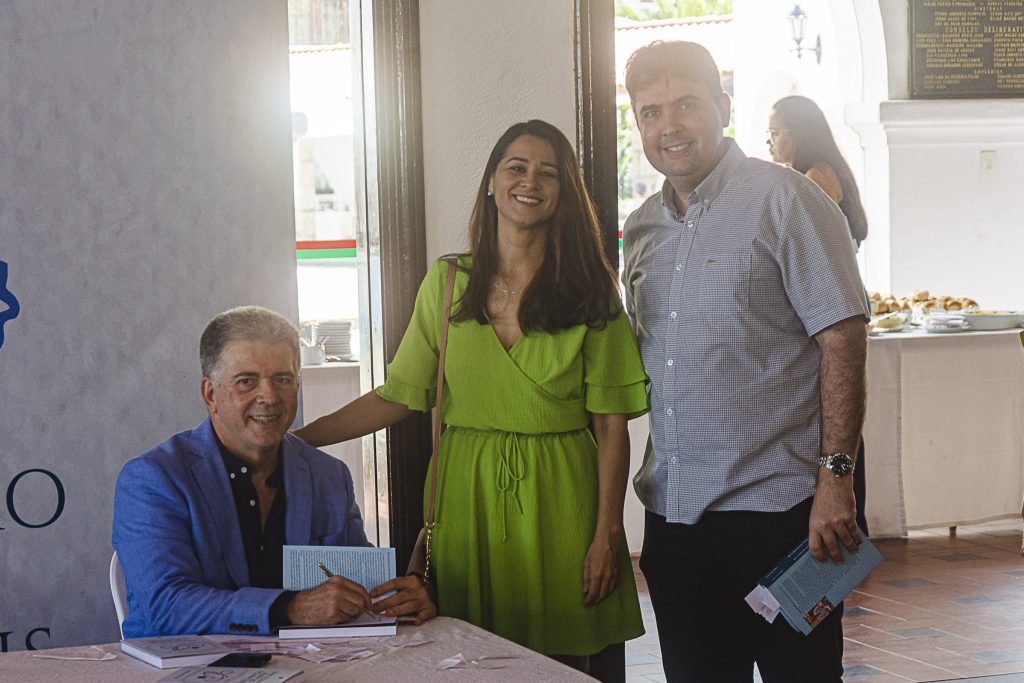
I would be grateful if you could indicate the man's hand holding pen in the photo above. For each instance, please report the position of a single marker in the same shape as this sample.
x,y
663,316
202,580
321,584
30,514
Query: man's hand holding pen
x,y
335,601
338,600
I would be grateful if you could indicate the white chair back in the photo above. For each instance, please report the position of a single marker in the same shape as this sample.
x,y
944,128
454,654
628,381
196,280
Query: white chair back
x,y
118,591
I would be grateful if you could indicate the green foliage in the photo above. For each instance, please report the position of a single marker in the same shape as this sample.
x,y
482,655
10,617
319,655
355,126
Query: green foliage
x,y
670,9
624,150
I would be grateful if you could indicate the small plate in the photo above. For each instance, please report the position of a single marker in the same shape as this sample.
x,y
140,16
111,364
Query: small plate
x,y
897,316
880,331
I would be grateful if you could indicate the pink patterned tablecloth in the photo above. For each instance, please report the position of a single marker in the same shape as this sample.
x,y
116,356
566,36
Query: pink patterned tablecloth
x,y
448,637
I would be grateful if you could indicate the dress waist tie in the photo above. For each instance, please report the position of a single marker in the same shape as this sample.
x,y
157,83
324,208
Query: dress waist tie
x,y
511,470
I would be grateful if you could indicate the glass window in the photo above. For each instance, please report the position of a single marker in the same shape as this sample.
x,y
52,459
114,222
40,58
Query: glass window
x,y
320,59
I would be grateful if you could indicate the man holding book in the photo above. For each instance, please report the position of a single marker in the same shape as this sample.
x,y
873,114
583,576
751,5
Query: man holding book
x,y
741,280
200,521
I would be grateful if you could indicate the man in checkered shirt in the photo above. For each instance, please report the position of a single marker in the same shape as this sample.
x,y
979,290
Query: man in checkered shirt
x,y
742,284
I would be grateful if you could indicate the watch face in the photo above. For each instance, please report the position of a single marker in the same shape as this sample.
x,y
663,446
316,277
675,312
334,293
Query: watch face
x,y
839,464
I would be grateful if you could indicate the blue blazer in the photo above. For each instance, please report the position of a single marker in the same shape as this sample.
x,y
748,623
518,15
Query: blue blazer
x,y
177,536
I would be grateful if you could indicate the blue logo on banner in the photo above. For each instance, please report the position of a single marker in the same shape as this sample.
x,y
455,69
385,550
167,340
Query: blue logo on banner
x,y
6,297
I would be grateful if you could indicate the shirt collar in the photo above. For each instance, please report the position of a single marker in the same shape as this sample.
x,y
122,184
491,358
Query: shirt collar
x,y
712,186
235,465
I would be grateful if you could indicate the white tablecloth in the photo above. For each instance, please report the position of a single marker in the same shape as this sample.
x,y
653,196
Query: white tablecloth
x,y
945,429
449,637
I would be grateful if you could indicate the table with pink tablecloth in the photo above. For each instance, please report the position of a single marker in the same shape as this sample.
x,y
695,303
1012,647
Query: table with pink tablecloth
x,y
448,637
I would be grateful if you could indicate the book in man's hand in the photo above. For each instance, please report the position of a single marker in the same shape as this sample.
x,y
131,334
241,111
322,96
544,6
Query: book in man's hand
x,y
806,591
171,652
363,625
227,674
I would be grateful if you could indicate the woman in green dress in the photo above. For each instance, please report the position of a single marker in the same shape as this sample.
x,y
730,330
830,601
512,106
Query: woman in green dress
x,y
529,541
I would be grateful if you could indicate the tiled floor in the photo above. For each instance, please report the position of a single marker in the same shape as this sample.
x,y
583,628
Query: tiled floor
x,y
939,608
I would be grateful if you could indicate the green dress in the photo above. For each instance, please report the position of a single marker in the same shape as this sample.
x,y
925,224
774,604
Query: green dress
x,y
518,472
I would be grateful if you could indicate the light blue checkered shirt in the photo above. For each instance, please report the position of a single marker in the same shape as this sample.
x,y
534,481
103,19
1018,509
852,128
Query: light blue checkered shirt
x,y
725,301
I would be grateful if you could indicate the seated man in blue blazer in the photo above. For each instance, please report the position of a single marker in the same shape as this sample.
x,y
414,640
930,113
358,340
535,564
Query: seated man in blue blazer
x,y
200,520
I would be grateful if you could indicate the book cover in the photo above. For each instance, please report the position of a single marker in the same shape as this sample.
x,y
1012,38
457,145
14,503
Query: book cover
x,y
806,591
363,625
226,674
170,652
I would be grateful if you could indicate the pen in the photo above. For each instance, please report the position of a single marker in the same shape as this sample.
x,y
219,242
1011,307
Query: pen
x,y
328,573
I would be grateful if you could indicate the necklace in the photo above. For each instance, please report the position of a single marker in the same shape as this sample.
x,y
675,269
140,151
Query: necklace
x,y
506,291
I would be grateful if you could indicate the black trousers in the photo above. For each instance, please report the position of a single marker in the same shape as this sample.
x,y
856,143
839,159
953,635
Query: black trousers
x,y
698,576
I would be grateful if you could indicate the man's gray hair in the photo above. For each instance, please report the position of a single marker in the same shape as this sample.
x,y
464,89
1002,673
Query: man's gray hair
x,y
245,323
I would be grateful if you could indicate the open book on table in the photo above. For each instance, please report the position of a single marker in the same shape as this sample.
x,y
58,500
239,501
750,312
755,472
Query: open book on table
x,y
369,567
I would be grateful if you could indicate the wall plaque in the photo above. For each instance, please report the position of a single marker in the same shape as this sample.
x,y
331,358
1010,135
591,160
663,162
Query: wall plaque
x,y
966,48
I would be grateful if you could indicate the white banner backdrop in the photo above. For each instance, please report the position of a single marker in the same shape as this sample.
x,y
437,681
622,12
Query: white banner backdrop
x,y
145,185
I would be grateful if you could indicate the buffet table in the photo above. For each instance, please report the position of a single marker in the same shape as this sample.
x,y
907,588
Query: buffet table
x,y
489,658
945,429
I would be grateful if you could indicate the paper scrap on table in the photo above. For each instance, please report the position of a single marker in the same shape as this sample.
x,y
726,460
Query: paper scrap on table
x,y
316,657
335,652
453,662
91,654
396,642
459,661
764,603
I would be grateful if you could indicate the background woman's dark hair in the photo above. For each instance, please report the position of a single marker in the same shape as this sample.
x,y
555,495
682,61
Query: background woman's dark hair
x,y
574,284
813,144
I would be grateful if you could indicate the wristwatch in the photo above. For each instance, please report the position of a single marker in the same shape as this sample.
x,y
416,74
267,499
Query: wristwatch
x,y
839,464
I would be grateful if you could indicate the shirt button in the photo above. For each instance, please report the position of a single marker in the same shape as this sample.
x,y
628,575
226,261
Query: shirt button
x,y
689,224
244,470
252,503
679,266
674,460
232,475
668,411
673,315
670,361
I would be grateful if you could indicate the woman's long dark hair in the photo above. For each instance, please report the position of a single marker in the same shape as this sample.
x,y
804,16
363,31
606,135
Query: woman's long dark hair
x,y
574,284
813,144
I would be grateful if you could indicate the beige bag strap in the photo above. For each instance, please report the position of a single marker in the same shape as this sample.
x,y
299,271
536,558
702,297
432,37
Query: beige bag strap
x,y
449,288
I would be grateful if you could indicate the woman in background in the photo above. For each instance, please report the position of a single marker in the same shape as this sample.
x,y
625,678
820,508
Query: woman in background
x,y
529,541
800,137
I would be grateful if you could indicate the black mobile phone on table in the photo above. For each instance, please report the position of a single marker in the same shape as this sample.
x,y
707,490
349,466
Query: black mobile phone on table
x,y
243,660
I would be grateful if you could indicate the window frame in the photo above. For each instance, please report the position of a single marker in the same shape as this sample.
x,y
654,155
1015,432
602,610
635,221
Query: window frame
x,y
391,251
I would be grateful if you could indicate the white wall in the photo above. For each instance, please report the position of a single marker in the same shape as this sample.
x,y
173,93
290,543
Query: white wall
x,y
955,228
146,186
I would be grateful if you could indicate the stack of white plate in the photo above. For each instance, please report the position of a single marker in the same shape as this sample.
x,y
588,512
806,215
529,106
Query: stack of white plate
x,y
945,322
992,320
336,336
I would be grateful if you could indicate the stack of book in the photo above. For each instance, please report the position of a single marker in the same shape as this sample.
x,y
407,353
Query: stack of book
x,y
171,652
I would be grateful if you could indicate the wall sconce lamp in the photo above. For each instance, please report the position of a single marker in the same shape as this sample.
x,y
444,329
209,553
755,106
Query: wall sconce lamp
x,y
797,28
